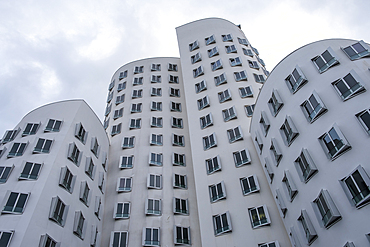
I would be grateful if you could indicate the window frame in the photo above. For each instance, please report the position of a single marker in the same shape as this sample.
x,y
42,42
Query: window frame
x,y
328,64
233,134
352,92
238,155
241,76
176,107
130,143
196,58
174,92
18,149
122,75
217,192
280,202
77,225
158,123
137,108
230,49
275,151
156,178
74,154
182,239
298,82
264,123
227,37
357,55
259,222
156,140
58,211
213,52
206,121
67,179
226,113
259,78
129,162
118,113
126,206
290,187
200,86
155,79
359,115
53,125
237,61
243,91
322,201
14,207
85,193
180,140
224,96
113,239
5,172
152,202
275,103
211,163
220,79
307,228
182,181
249,109
32,130
339,151
156,106
246,190
198,71
210,39
156,92
122,86
90,168
211,144
305,166
156,159
151,241
137,93
316,111
116,129
177,123
203,103
30,175
288,131
127,182
137,81
178,163
172,67
223,229
193,46
216,65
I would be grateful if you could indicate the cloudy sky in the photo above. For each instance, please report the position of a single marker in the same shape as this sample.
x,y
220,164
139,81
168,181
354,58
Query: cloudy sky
x,y
61,49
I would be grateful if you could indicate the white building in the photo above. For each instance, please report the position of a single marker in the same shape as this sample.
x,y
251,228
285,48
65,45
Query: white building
x,y
311,130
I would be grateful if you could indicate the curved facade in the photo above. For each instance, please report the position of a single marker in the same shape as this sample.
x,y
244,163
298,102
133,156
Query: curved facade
x,y
311,131
52,177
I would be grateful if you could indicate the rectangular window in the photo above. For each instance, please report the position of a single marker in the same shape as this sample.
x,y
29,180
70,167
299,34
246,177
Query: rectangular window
x,y
95,148
74,154
216,65
213,164
288,131
178,159
213,52
110,97
227,38
198,72
124,184
249,184
243,41
363,117
156,140
357,187
276,154
154,181
259,78
16,202
261,61
106,123
196,58
138,69
259,216
235,134
357,50
264,123
174,92
249,110
209,141
281,203
241,76
177,123
121,86
230,49
206,121
242,157
222,223
46,241
156,91
349,86
172,67
156,67
157,122
307,227
255,50
175,106
151,237
90,168
116,129
118,239
334,143
180,206
136,107
224,96
253,64
135,123
122,211
118,113
128,142
122,75
5,172
156,159
97,207
153,207
79,226
221,79
178,140
138,81
275,103
30,171
313,107
289,185
210,40
326,60
235,61
295,80
58,211
193,46
67,179
270,244
10,135
85,192
126,162
156,79
108,109
180,181
217,191
17,149
268,170
31,129
246,92
305,166
101,182
229,113
248,52
200,86
111,85
258,141
156,106
203,102
182,235
173,79
6,237
326,210
137,93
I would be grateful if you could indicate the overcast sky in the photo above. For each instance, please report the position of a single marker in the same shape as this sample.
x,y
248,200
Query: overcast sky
x,y
57,50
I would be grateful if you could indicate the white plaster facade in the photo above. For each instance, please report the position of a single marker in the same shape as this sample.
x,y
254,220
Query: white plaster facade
x,y
311,129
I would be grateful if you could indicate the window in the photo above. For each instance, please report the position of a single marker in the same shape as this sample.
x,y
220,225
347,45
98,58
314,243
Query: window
x,y
95,148
175,106
326,60
268,170
349,244
209,141
200,86
106,123
258,142
313,107
224,96
213,164
174,92
135,123
67,179
334,143
264,123
295,80
153,207
363,117
241,76
111,85
30,171
5,172
305,166
182,235
31,129
138,69
79,226
259,78
156,79
16,202
122,211
118,113
259,216
326,210
126,162
156,91
90,168
156,106
138,81
213,52
156,159
249,110
58,211
156,140
222,223
281,203
294,238
118,239
121,86
289,185
6,237
178,140
180,206
235,62
137,93
10,135
246,92
216,65
349,86
193,46
116,129
172,67
253,64
196,58
97,206
217,191
173,79
101,182
104,161
206,121
261,61
123,75
151,237
124,184
128,142
229,113
230,49
203,102
242,157
157,122
210,40
356,186
248,52
276,154
221,79
47,241
357,50
227,37
110,97
275,103
154,181
243,41
269,244
85,193
17,149
307,227
177,123
156,67
265,72
178,159
74,154
108,109
235,134
288,131
180,181
136,107
255,50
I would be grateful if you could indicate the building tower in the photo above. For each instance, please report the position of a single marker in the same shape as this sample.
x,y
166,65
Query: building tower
x,y
52,171
311,130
